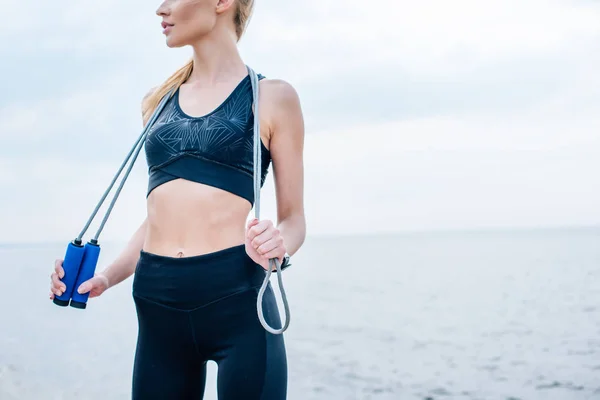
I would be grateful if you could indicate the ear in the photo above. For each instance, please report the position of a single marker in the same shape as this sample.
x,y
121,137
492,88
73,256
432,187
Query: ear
x,y
224,5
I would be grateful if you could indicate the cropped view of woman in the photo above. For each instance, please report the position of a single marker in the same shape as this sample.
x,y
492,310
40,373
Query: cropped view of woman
x,y
197,259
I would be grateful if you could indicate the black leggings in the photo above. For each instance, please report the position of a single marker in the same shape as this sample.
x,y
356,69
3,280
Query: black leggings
x,y
194,309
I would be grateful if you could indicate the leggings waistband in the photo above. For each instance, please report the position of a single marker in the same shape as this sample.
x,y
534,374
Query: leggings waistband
x,y
218,256
190,282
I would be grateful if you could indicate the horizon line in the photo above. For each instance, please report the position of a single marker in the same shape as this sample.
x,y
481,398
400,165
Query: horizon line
x,y
403,232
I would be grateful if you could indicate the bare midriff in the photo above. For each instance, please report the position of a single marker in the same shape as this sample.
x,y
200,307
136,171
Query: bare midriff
x,y
187,219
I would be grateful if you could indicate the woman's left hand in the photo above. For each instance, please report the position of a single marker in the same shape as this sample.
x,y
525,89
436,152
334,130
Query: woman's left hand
x,y
263,242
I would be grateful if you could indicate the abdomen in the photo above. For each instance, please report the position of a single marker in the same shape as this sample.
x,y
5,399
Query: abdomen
x,y
188,218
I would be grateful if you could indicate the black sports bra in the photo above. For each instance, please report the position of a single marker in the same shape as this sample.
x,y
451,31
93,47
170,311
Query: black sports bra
x,y
215,149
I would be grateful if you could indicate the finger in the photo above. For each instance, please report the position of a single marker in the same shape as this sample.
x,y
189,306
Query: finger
x,y
51,295
277,253
89,285
264,237
251,223
59,269
270,246
57,291
56,283
258,229
85,287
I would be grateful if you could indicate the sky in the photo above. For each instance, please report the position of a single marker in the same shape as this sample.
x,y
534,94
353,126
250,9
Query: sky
x,y
419,115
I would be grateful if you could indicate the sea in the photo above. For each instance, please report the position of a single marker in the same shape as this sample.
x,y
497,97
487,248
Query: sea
x,y
461,315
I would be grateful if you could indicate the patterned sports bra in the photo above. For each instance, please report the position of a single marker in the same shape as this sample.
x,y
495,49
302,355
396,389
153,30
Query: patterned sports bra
x,y
215,149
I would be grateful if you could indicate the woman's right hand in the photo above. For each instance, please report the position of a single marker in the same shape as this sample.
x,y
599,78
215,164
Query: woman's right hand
x,y
96,285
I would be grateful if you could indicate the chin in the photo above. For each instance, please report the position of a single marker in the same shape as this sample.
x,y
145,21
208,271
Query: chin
x,y
172,43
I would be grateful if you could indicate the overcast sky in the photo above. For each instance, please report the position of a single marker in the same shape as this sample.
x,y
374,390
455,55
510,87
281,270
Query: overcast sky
x,y
419,115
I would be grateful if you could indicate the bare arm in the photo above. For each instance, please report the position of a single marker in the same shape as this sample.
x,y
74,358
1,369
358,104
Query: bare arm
x,y
286,146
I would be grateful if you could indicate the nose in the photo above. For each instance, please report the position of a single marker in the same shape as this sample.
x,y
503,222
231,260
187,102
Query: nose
x,y
164,9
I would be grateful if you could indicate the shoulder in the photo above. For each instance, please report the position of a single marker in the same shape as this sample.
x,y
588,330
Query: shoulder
x,y
280,102
279,91
281,110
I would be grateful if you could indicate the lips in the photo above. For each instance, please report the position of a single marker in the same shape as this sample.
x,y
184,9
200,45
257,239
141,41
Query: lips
x,y
166,27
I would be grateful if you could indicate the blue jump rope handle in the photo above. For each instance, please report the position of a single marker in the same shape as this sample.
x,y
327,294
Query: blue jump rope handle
x,y
71,264
87,270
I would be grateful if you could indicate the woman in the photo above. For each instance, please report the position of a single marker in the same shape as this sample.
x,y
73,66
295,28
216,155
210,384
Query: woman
x,y
197,262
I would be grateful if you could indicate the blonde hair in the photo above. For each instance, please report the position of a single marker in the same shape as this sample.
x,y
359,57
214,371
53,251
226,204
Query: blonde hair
x,y
150,102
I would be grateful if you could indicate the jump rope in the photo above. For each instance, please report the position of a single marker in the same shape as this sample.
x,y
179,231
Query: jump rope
x,y
80,260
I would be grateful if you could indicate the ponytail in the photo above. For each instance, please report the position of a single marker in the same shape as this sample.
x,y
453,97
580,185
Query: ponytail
x,y
153,98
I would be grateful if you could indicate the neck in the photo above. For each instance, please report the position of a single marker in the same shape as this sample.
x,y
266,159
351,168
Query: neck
x,y
216,59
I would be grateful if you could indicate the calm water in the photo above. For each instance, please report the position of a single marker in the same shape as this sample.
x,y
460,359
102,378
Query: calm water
x,y
506,315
